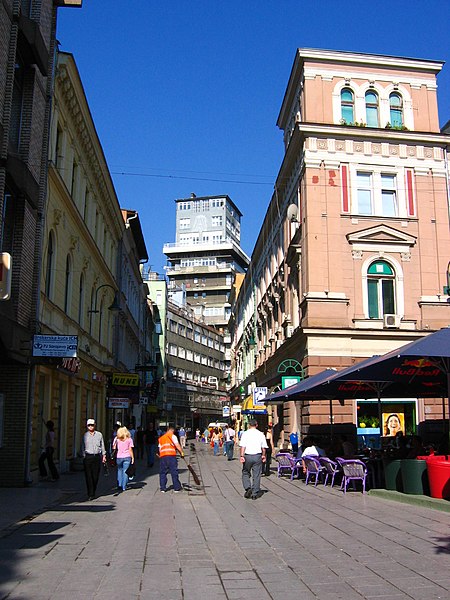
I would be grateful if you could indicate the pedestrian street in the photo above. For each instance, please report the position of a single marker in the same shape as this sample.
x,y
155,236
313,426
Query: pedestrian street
x,y
296,542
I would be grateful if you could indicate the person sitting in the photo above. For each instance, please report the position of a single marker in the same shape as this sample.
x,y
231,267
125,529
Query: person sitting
x,y
416,449
401,445
311,448
348,449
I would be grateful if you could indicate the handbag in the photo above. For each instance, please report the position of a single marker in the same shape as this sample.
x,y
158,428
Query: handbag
x,y
131,471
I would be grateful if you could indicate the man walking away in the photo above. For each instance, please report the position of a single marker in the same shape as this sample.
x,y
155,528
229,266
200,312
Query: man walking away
x,y
229,441
253,454
94,453
182,436
168,447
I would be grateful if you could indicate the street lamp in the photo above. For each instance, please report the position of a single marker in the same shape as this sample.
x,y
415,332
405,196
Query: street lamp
x,y
115,306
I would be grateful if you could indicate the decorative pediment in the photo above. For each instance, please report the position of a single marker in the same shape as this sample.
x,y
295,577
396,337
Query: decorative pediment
x,y
381,237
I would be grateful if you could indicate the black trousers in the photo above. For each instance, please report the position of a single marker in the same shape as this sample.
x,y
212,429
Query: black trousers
x,y
47,455
266,466
92,465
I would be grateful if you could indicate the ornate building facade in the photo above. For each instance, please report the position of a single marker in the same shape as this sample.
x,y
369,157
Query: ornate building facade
x,y
352,257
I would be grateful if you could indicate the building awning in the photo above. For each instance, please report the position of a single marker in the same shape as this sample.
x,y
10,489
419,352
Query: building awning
x,y
248,408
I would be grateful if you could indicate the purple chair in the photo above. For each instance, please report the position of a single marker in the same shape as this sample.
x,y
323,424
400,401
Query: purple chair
x,y
313,468
287,464
354,470
330,469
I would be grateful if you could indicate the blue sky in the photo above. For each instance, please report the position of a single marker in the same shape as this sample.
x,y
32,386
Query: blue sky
x,y
185,94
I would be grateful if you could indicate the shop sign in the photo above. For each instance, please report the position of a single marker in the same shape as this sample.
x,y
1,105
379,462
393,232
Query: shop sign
x,y
118,403
152,409
259,394
143,400
289,380
63,346
125,380
225,411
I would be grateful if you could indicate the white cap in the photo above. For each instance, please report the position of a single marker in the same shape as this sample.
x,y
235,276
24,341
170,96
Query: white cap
x,y
90,422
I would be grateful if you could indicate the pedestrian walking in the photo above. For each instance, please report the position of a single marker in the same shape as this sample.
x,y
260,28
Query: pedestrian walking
x,y
124,457
168,446
150,440
182,436
229,441
197,435
269,451
47,454
215,440
253,454
139,442
94,453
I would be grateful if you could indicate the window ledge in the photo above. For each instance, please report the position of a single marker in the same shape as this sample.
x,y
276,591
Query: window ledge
x,y
378,324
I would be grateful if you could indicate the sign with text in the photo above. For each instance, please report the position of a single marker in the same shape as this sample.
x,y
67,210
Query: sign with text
x,y
259,394
225,411
125,380
63,346
118,403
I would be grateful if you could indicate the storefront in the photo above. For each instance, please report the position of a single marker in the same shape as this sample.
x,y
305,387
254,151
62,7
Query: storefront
x,y
396,415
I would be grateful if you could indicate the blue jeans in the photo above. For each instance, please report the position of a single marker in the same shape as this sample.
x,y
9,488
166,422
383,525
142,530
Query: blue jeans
x,y
229,447
122,466
216,448
151,448
168,464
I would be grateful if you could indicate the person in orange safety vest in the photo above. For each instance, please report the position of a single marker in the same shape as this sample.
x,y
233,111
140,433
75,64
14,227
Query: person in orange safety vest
x,y
168,445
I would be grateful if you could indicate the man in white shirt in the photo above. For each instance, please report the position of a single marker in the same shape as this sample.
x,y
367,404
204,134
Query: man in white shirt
x,y
229,441
253,454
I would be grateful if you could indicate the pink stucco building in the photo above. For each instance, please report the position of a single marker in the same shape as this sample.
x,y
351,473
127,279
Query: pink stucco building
x,y
352,258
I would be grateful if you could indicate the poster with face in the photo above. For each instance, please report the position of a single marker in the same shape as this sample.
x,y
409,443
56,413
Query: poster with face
x,y
393,423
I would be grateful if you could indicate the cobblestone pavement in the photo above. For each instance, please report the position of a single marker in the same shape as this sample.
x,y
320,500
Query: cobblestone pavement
x,y
295,542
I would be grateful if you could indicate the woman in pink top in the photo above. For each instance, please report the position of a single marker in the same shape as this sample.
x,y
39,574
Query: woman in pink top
x,y
125,456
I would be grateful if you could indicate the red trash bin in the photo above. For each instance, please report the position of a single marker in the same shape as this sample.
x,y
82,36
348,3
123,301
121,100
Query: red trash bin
x,y
438,468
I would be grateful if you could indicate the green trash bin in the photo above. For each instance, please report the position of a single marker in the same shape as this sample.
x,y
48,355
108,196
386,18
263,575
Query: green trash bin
x,y
393,474
415,476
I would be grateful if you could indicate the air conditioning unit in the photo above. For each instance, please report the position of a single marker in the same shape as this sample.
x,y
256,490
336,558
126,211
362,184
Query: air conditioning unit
x,y
391,321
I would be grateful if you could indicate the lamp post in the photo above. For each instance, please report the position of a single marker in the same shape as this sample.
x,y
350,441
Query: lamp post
x,y
115,306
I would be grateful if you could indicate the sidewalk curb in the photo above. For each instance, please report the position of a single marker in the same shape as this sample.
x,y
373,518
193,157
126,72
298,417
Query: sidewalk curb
x,y
412,499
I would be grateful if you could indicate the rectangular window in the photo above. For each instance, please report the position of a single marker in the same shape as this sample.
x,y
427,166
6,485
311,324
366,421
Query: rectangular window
x,y
364,193
388,196
372,285
376,194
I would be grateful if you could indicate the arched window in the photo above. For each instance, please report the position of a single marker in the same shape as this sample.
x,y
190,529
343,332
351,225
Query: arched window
x,y
68,286
380,289
347,106
372,109
49,266
396,110
81,301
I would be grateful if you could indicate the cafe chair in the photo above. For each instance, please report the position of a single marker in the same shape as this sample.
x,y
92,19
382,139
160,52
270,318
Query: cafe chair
x,y
330,468
354,470
287,464
313,469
